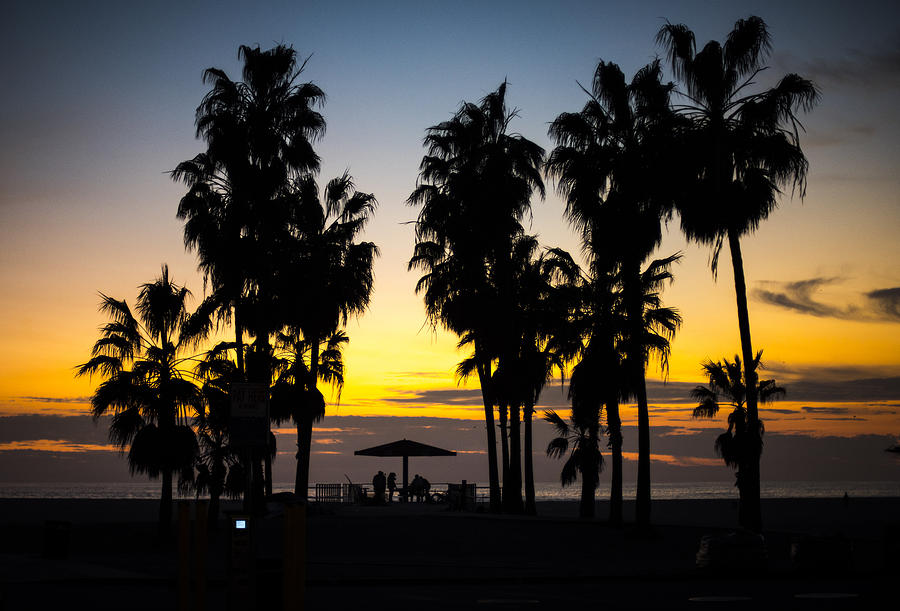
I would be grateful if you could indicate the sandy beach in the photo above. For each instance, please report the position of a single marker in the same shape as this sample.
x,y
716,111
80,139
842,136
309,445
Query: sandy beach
x,y
410,549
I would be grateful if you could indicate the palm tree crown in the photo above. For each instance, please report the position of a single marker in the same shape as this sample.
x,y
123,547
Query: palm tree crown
x,y
147,388
727,386
743,146
259,134
327,278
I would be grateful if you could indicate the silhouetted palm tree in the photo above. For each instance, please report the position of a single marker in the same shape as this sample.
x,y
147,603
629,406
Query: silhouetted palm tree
x,y
219,468
533,343
727,387
258,133
742,148
325,279
296,398
596,326
147,387
602,162
582,436
475,186
547,344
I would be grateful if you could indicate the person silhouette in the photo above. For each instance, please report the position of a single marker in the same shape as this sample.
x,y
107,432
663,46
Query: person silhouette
x,y
426,489
391,485
378,484
415,488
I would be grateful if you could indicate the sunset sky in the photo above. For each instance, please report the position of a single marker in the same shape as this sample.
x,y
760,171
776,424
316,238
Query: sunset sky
x,y
98,106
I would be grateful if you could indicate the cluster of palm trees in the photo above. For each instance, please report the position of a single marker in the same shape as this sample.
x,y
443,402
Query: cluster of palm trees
x,y
283,264
713,150
284,267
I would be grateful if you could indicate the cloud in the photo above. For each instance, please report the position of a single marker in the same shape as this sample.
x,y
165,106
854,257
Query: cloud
x,y
57,399
875,68
886,302
825,410
881,304
443,396
838,134
327,441
77,451
55,445
825,391
798,296
74,429
677,461
420,374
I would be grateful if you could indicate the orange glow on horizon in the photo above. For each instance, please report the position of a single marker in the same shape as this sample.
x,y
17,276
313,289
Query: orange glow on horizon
x,y
56,445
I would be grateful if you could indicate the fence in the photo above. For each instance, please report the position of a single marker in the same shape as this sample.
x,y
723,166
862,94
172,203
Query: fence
x,y
473,497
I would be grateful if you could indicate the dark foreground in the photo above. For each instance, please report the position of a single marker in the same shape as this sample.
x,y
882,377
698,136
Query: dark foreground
x,y
424,557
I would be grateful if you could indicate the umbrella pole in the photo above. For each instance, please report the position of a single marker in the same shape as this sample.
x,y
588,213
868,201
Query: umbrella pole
x,y
406,476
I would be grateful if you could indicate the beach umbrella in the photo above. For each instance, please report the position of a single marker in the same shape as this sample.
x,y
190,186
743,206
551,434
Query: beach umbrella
x,y
404,448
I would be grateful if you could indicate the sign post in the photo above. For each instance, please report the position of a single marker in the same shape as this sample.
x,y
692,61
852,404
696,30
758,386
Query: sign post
x,y
249,414
249,431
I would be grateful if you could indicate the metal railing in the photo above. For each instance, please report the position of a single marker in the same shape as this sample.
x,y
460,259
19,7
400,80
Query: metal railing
x,y
350,493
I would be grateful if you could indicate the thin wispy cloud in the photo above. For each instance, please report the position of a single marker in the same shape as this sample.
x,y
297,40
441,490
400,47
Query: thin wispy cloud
x,y
826,410
875,68
446,396
56,399
839,134
803,296
56,445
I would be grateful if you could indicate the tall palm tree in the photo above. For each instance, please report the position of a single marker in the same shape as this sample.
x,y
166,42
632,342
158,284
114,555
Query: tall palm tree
x,y
533,345
742,147
147,387
596,326
259,133
727,387
580,439
602,161
296,399
325,280
474,188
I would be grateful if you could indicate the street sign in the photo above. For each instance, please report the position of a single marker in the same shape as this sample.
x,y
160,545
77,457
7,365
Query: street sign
x,y
249,424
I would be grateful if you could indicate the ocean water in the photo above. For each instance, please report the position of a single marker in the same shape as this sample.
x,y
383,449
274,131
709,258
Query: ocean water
x,y
544,491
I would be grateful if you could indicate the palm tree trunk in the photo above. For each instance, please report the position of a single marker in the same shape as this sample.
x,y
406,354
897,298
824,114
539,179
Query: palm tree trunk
x,y
213,512
304,445
635,320
614,423
588,489
268,472
239,341
527,452
750,514
484,377
304,431
642,507
502,413
515,461
165,502
259,488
